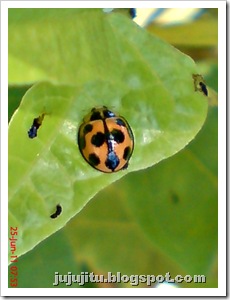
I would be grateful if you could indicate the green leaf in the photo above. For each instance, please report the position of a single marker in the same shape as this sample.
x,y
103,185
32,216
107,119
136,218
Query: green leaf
x,y
62,45
95,60
109,237
162,219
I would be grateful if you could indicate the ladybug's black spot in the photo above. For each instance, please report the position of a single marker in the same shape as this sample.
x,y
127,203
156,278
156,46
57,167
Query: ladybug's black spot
x,y
112,161
120,122
93,159
127,153
98,139
108,114
203,88
57,212
118,136
96,115
88,128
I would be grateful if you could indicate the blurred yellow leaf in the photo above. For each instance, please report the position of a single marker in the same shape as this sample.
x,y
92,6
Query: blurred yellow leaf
x,y
201,33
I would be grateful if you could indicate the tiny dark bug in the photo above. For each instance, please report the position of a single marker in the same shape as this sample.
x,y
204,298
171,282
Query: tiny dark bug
x,y
57,212
37,122
203,88
199,84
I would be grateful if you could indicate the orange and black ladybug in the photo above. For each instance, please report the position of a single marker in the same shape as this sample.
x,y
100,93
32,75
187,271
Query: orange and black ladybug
x,y
105,140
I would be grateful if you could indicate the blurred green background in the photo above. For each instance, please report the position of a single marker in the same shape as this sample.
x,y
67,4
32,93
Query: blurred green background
x,y
176,231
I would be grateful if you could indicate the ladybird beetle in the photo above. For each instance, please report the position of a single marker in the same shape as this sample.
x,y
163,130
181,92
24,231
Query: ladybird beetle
x,y
105,140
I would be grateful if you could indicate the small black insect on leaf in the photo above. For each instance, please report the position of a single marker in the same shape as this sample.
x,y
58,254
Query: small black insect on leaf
x,y
57,212
199,84
203,88
37,122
